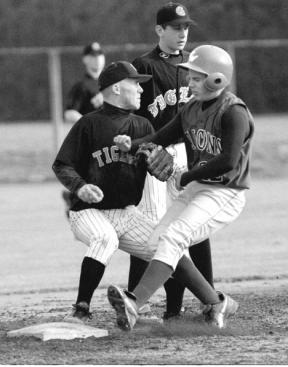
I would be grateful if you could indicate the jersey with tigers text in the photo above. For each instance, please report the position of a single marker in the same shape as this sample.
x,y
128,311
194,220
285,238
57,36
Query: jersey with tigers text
x,y
166,90
88,155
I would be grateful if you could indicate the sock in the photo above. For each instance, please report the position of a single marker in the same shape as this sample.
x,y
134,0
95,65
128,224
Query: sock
x,y
174,296
201,256
187,273
136,271
91,274
155,275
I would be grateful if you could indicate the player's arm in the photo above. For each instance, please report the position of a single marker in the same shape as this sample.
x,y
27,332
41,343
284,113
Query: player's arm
x,y
144,68
70,159
235,130
74,102
166,136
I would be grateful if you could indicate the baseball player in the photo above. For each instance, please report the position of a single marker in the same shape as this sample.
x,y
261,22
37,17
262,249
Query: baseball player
x,y
106,184
217,128
84,96
162,96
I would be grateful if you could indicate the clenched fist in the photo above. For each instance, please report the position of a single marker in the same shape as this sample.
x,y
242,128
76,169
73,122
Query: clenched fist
x,y
123,142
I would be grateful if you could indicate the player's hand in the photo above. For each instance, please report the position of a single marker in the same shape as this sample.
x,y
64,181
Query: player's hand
x,y
97,100
123,142
90,193
72,116
177,177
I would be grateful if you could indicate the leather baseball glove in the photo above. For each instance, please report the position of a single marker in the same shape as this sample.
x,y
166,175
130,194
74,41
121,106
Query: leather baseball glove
x,y
159,162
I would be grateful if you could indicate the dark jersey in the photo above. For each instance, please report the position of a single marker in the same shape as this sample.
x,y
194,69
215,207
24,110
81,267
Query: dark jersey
x,y
80,95
88,155
166,90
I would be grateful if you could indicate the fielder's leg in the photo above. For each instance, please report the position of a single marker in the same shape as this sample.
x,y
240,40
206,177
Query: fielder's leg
x,y
93,229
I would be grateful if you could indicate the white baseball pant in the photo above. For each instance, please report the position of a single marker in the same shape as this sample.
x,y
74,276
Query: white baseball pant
x,y
104,231
198,212
158,196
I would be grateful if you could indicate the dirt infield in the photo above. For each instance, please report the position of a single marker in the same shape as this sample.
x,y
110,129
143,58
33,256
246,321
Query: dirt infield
x,y
258,335
39,268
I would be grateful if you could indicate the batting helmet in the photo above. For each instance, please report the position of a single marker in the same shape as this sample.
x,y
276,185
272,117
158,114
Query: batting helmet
x,y
214,62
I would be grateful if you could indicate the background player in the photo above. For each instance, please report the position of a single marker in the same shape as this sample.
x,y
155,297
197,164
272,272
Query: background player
x,y
84,96
162,96
217,128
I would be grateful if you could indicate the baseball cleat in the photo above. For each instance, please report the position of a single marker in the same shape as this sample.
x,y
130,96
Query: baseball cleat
x,y
80,313
125,307
218,313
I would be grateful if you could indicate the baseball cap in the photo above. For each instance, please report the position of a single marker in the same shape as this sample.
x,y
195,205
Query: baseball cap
x,y
93,49
173,14
117,71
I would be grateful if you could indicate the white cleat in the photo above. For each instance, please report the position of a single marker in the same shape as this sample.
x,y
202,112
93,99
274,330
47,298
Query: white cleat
x,y
125,307
218,313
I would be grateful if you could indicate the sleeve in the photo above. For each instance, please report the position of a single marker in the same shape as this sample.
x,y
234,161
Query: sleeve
x,y
148,88
73,157
167,135
75,97
235,129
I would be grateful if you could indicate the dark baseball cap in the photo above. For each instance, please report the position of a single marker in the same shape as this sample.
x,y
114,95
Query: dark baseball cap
x,y
173,14
117,71
93,49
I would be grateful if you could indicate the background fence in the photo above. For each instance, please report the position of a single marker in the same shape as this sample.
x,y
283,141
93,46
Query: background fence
x,y
35,81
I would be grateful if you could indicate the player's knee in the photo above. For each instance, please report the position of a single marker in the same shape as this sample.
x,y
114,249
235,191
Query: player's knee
x,y
103,247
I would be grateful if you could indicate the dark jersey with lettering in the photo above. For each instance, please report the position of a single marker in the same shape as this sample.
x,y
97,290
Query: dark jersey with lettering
x,y
216,137
88,155
166,90
80,95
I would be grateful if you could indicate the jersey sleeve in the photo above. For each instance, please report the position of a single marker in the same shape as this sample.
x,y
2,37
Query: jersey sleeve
x,y
73,157
148,87
75,97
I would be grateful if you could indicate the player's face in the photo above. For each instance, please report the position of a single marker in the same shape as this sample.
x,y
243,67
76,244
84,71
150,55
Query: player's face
x,y
94,65
130,92
197,87
173,38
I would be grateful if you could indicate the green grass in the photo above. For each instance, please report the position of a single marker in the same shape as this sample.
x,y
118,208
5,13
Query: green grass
x,y
28,149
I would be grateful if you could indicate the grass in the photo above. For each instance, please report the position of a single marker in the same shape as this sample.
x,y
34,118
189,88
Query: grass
x,y
28,149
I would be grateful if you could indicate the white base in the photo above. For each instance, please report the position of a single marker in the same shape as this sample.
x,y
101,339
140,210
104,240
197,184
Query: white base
x,y
59,330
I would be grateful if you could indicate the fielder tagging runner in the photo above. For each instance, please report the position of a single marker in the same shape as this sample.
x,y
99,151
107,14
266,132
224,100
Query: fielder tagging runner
x,y
217,128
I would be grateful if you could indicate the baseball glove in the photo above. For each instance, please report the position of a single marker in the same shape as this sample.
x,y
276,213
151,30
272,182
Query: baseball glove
x,y
159,162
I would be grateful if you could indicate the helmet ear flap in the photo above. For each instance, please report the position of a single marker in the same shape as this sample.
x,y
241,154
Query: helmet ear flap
x,y
215,81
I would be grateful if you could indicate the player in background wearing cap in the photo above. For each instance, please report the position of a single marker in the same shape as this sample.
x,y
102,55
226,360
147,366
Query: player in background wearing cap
x,y
218,129
84,95
162,96
106,184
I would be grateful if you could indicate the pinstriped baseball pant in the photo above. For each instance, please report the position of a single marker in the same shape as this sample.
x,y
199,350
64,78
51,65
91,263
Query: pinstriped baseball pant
x,y
104,231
